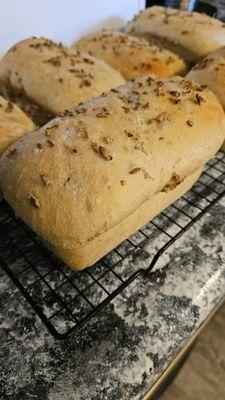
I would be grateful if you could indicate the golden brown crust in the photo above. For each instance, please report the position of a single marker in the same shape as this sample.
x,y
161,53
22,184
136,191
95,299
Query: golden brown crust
x,y
55,77
198,33
14,124
102,161
88,254
131,56
38,115
210,71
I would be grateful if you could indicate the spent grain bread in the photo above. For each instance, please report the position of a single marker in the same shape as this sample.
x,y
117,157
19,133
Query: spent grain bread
x,y
131,56
53,76
14,123
210,71
88,171
95,249
190,34
37,114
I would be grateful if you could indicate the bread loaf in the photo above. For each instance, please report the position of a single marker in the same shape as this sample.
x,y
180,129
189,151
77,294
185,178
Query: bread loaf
x,y
131,56
54,77
14,124
94,249
189,34
37,114
88,179
211,72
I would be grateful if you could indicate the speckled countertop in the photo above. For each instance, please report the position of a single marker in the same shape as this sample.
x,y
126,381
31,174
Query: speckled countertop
x,y
120,353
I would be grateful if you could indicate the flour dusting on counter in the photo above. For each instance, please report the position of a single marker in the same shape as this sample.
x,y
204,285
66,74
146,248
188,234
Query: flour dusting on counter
x,y
121,352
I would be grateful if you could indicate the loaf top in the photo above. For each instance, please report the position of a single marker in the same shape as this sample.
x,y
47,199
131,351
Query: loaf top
x,y
198,33
86,171
210,71
14,123
131,56
53,76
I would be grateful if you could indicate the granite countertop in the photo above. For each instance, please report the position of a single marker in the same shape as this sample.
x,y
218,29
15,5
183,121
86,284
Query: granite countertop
x,y
120,353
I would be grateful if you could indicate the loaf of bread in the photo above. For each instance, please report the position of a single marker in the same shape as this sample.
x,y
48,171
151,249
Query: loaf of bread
x,y
102,244
189,34
14,124
37,114
210,71
131,56
54,77
88,179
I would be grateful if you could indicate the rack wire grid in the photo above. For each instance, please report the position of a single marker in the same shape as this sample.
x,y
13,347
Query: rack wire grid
x,y
66,299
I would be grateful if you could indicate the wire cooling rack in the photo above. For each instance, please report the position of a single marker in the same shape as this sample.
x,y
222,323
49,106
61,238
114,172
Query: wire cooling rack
x,y
65,299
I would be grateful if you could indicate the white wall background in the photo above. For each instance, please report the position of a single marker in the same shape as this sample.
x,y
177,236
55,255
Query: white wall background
x,y
61,20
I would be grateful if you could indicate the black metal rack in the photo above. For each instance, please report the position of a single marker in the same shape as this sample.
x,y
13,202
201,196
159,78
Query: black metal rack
x,y
65,299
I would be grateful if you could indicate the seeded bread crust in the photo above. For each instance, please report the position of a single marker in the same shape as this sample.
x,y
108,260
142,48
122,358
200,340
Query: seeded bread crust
x,y
131,56
211,72
53,76
198,33
84,173
14,124
38,115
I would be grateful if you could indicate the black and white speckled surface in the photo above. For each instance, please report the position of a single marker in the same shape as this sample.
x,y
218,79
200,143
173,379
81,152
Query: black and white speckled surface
x,y
119,354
